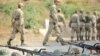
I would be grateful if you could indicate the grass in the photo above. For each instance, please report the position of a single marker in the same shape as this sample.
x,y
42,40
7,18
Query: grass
x,y
36,11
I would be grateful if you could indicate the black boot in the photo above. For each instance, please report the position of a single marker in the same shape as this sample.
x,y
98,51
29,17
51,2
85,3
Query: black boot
x,y
62,42
9,42
72,38
22,43
93,38
57,40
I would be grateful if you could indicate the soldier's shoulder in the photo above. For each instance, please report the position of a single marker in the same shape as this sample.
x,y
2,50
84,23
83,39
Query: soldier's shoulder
x,y
60,14
75,15
53,6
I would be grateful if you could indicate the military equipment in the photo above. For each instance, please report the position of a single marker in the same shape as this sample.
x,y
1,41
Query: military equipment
x,y
25,50
95,47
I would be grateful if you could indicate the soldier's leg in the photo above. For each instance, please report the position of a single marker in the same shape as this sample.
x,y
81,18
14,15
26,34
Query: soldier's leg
x,y
72,34
81,34
12,36
78,35
59,35
46,38
86,35
89,35
94,34
60,28
21,30
99,35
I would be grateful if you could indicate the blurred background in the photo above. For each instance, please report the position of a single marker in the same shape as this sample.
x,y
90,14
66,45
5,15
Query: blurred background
x,y
36,11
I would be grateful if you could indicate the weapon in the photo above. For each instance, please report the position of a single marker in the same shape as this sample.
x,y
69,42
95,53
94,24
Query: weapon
x,y
25,50
95,47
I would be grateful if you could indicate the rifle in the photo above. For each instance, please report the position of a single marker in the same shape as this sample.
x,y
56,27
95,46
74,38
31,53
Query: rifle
x,y
25,50
95,47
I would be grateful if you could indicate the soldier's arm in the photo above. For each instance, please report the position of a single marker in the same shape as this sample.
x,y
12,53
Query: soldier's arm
x,y
13,17
63,19
78,20
54,14
70,21
21,18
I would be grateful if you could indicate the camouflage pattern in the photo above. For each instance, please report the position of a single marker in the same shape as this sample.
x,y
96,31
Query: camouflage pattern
x,y
53,24
17,24
94,30
61,23
98,28
82,25
88,26
74,24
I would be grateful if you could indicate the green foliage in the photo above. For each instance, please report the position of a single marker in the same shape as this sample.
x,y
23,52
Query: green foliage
x,y
33,13
7,8
37,12
48,3
68,9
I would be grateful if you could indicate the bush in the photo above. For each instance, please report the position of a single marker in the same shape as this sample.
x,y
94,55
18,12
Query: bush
x,y
68,9
7,8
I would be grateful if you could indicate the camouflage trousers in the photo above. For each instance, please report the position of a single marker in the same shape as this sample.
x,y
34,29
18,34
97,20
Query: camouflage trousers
x,y
98,34
75,32
88,30
94,33
56,28
17,28
82,31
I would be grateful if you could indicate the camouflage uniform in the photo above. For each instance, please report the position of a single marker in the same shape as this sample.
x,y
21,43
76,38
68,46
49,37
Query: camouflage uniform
x,y
53,24
88,26
61,22
98,28
74,24
94,31
17,24
82,26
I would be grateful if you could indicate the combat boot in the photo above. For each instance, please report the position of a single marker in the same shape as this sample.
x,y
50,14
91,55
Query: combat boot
x,y
93,38
72,38
9,42
62,42
22,43
57,40
44,43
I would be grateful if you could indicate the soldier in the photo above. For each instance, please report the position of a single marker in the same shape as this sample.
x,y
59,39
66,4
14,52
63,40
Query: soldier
x,y
88,25
53,24
74,23
61,22
17,24
98,27
82,24
94,31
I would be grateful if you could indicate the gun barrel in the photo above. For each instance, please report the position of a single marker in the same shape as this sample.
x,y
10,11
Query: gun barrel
x,y
24,50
